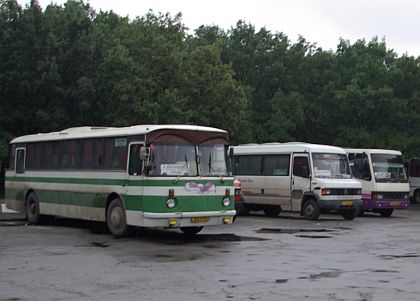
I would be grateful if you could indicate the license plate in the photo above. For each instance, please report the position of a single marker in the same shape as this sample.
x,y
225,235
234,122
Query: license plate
x,y
200,219
395,203
346,203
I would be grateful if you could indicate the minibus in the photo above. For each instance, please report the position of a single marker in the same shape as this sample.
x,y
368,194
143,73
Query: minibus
x,y
295,177
383,177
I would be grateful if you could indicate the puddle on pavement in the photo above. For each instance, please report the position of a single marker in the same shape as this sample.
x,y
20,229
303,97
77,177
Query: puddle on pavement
x,y
176,258
12,223
313,236
408,255
291,231
295,231
329,274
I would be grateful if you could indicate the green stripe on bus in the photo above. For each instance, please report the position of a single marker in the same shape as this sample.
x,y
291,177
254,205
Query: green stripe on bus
x,y
119,182
156,204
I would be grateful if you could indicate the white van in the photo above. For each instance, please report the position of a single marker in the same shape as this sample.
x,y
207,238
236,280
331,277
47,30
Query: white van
x,y
297,177
383,178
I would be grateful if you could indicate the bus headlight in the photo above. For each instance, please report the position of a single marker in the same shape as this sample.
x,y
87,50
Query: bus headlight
x,y
376,195
226,202
170,203
325,191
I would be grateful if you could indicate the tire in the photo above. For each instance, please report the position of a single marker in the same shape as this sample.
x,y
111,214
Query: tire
x,y
350,214
416,197
191,231
386,212
116,219
241,209
32,209
310,210
272,211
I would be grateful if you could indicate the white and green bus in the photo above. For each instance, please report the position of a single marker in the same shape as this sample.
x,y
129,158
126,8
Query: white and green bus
x,y
168,176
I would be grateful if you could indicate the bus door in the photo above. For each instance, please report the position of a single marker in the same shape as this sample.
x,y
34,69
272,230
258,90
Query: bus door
x,y
135,171
301,181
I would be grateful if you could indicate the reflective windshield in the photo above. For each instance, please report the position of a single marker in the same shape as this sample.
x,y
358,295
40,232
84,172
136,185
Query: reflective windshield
x,y
173,159
388,168
212,160
333,166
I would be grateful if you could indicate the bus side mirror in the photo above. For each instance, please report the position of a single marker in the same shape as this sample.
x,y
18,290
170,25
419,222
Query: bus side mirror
x,y
145,155
231,152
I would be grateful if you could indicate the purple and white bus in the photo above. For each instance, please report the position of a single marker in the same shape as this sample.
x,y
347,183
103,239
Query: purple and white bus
x,y
384,180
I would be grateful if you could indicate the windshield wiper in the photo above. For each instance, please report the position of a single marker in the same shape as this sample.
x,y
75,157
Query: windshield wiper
x,y
210,164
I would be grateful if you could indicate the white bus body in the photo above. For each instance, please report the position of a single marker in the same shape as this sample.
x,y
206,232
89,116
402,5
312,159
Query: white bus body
x,y
383,178
297,177
145,175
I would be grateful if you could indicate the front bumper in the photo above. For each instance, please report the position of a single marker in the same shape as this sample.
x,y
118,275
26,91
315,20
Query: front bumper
x,y
371,204
180,219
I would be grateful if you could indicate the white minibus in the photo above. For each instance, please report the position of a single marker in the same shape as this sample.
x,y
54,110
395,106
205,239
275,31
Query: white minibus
x,y
383,178
297,177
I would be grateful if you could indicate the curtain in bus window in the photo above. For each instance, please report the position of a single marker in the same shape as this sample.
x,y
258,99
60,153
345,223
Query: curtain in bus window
x,y
115,153
51,155
98,153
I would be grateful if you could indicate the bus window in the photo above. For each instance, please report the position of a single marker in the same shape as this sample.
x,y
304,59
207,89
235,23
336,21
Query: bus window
x,y
361,168
20,160
301,167
173,159
247,165
134,166
213,160
276,165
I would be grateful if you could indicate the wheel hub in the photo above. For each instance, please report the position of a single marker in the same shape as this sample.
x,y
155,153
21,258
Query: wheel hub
x,y
116,217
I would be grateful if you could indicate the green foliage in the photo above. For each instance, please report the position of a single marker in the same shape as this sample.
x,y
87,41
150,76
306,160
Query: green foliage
x,y
70,66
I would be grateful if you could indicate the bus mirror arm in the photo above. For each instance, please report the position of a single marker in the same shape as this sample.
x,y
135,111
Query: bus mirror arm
x,y
145,153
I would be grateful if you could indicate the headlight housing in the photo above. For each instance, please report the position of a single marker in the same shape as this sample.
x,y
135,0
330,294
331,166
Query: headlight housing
x,y
226,202
170,203
325,191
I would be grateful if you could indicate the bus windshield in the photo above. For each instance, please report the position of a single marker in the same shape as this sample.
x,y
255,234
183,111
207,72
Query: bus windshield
x,y
213,160
180,159
173,159
388,168
330,165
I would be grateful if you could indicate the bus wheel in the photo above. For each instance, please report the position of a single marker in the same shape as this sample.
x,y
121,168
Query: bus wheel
x,y
272,211
191,231
349,214
386,212
32,209
311,210
115,218
241,209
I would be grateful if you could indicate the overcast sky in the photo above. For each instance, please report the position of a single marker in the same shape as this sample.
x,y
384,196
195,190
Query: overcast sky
x,y
322,22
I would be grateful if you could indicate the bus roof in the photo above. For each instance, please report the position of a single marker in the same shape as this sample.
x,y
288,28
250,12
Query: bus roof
x,y
372,151
96,131
288,147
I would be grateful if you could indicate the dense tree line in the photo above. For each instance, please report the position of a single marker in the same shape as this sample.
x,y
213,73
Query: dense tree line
x,y
70,66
